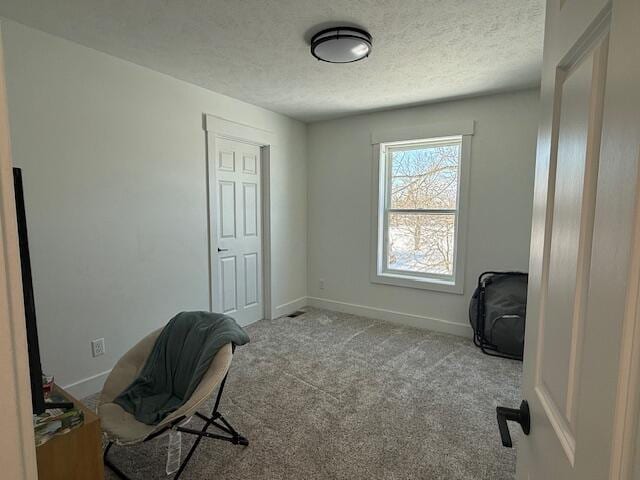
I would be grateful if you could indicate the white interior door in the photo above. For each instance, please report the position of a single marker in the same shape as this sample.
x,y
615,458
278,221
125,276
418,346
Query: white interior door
x,y
582,321
237,267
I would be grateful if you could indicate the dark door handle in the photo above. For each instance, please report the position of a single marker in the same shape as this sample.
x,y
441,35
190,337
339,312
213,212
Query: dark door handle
x,y
518,415
222,249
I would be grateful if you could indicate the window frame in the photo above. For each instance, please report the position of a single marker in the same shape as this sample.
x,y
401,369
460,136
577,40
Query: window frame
x,y
381,199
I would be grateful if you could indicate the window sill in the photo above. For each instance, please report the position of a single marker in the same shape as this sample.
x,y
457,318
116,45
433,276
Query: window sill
x,y
433,284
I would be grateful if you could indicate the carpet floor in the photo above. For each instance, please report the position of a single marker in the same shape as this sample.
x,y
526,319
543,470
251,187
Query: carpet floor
x,y
328,395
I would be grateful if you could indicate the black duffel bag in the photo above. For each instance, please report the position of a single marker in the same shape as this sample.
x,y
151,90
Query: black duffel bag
x,y
497,313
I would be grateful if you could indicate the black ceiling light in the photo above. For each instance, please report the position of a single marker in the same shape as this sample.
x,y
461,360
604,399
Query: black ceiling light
x,y
341,45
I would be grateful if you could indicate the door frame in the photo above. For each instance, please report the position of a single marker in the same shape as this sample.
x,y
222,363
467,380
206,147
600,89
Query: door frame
x,y
17,450
218,127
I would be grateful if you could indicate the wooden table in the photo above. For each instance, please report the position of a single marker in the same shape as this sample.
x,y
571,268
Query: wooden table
x,y
76,455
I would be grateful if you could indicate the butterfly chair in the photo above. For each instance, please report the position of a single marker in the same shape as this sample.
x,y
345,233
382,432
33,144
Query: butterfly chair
x,y
121,428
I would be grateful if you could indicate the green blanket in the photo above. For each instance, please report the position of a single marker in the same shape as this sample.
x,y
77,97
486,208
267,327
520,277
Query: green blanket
x,y
179,359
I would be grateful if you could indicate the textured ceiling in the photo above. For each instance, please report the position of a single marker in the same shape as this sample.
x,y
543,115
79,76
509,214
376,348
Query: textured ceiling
x,y
257,50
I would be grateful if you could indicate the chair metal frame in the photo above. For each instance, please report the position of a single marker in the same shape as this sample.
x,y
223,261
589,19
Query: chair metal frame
x,y
232,436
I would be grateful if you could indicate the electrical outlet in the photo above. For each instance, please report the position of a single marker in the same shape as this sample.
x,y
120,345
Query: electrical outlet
x,y
321,284
97,347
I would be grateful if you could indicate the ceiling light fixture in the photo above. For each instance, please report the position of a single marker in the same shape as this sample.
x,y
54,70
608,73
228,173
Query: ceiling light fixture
x,y
341,45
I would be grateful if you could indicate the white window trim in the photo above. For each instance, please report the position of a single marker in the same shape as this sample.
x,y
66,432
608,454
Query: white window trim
x,y
420,134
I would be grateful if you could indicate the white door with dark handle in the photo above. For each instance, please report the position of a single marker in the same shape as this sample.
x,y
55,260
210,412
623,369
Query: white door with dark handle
x,y
582,350
237,230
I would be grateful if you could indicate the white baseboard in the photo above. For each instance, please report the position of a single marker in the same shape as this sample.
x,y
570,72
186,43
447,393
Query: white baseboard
x,y
87,386
408,319
289,307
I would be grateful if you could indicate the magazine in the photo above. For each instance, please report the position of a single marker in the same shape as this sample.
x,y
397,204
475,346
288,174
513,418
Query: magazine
x,y
56,421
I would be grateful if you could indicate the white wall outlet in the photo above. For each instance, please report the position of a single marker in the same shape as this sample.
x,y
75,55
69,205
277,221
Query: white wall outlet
x,y
97,347
321,284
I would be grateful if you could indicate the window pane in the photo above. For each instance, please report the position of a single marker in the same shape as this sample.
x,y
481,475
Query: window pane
x,y
421,243
425,176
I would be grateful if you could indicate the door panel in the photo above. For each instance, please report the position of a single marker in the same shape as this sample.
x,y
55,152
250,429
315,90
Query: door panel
x,y
227,209
251,279
250,164
238,242
228,284
250,206
227,161
583,246
570,245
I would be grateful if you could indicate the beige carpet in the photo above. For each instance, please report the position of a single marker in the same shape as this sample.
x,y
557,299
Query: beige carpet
x,y
335,396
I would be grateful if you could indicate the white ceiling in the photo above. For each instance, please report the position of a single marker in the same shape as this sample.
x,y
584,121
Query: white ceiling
x,y
257,50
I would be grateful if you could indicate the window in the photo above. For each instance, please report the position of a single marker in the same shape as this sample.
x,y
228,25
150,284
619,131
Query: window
x,y
418,208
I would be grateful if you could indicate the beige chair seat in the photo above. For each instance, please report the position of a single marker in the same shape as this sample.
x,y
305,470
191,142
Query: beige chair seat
x,y
120,426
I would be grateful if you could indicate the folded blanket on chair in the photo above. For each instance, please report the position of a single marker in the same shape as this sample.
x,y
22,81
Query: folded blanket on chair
x,y
179,359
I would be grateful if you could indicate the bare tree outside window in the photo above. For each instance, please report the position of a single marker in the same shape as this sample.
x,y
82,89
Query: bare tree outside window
x,y
422,196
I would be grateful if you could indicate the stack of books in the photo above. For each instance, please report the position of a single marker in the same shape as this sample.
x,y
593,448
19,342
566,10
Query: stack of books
x,y
55,421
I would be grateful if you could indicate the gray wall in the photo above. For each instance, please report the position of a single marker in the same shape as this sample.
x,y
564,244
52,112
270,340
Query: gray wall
x,y
500,202
114,169
114,165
